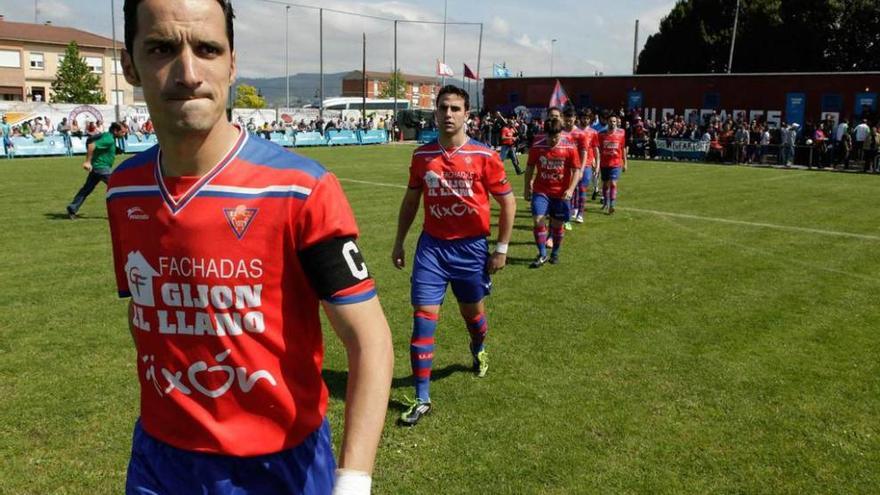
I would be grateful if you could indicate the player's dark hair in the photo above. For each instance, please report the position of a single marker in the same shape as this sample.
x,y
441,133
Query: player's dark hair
x,y
454,90
552,109
552,127
568,112
116,126
131,21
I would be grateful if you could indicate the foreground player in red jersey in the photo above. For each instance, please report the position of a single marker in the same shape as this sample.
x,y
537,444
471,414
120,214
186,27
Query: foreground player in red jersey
x,y
551,178
590,168
612,145
227,245
455,175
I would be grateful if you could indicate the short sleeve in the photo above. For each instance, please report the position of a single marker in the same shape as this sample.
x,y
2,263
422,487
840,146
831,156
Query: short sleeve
x,y
533,157
495,177
415,175
575,158
325,233
116,244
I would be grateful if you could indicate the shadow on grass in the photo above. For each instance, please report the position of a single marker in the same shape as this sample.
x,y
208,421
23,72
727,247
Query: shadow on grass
x,y
520,261
336,381
63,216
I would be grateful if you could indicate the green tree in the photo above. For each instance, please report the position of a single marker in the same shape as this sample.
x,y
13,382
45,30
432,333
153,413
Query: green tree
x,y
772,36
246,96
74,81
396,83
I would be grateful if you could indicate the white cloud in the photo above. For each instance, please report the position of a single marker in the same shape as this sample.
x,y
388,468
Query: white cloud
x,y
499,26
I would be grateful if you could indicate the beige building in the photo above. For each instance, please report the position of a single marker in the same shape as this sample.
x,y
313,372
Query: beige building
x,y
31,53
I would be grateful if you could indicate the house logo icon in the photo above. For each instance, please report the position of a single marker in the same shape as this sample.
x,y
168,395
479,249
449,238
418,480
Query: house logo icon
x,y
140,276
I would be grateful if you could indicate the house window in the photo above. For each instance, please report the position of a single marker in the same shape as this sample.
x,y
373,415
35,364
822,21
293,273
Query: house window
x,y
37,61
117,66
415,89
96,64
10,58
118,97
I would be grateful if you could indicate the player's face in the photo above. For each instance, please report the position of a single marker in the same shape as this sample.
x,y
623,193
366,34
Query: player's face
x,y
613,122
554,114
183,61
450,114
570,122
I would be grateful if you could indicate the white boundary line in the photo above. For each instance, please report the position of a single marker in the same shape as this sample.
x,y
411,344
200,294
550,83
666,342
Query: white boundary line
x,y
789,228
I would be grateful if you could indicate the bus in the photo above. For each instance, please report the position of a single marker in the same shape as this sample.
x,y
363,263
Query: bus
x,y
373,104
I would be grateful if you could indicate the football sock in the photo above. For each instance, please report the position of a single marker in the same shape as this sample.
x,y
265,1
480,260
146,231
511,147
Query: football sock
x,y
541,239
605,193
613,193
582,198
558,234
477,327
421,351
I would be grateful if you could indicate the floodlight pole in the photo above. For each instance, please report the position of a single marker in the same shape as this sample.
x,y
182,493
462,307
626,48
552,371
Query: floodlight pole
x,y
443,77
552,47
321,55
479,56
364,80
115,58
635,48
287,52
733,38
394,73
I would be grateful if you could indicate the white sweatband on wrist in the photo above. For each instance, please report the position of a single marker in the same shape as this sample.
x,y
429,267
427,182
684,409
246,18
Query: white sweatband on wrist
x,y
501,247
352,482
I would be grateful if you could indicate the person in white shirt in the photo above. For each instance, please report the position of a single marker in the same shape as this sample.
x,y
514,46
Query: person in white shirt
x,y
861,134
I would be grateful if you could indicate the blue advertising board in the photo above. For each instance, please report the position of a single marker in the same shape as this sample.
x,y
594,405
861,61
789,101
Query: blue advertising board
x,y
795,108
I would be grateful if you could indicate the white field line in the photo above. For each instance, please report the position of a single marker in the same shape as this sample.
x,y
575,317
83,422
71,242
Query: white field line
x,y
807,230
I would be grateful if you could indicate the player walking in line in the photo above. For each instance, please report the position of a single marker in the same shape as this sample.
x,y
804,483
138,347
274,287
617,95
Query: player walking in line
x,y
508,146
590,169
454,176
551,178
580,139
227,246
612,160
100,154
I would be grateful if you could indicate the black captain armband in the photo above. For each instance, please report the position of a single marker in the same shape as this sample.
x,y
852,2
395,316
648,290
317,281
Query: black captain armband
x,y
334,265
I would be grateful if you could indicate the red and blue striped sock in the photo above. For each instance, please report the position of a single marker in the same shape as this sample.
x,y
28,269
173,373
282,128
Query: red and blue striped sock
x,y
541,239
613,194
421,351
605,196
581,198
477,327
558,233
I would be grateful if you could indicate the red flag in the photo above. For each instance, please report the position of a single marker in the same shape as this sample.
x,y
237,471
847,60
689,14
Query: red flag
x,y
559,99
468,73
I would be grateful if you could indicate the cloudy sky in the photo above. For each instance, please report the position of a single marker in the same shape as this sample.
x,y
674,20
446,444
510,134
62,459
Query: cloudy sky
x,y
593,35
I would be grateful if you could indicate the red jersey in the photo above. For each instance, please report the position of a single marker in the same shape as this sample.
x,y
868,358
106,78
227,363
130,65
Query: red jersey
x,y
612,146
554,167
579,139
592,141
224,274
455,186
508,136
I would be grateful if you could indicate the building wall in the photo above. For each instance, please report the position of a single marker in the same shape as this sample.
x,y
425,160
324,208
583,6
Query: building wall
x,y
424,98
31,78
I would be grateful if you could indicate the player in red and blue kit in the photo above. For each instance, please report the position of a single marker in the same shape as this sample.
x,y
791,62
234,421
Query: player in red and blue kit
x,y
227,245
551,178
612,160
454,177
580,139
590,166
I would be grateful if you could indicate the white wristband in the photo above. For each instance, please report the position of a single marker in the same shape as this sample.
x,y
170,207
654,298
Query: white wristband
x,y
351,482
501,247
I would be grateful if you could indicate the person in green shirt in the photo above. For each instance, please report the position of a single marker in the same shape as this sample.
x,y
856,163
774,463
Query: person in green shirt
x,y
100,154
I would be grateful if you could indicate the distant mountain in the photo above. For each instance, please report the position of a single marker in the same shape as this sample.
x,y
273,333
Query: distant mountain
x,y
303,87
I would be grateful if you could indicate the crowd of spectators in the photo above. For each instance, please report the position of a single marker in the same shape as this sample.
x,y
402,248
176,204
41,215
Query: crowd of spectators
x,y
319,125
725,138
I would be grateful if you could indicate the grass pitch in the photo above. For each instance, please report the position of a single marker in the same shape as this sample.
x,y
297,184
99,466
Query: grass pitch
x,y
719,334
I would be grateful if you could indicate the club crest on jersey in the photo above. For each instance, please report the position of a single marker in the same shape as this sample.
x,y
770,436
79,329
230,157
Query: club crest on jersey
x,y
239,219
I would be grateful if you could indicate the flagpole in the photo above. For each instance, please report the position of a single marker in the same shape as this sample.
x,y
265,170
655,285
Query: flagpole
x,y
479,55
445,5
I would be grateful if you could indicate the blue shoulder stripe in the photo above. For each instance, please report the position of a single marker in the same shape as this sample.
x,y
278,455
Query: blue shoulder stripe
x,y
145,157
481,144
268,154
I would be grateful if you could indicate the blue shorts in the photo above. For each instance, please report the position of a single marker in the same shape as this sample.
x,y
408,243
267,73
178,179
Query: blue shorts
x,y
587,178
610,173
157,468
555,208
460,262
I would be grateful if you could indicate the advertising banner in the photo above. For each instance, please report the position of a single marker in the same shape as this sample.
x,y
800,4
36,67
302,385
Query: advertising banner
x,y
682,148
